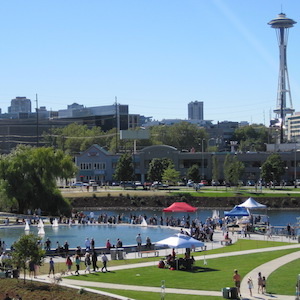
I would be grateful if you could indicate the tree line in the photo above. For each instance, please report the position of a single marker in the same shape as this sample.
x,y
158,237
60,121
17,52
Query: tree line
x,y
76,138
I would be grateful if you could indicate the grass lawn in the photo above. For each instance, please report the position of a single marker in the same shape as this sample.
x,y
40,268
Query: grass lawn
x,y
283,280
204,192
154,296
213,276
241,244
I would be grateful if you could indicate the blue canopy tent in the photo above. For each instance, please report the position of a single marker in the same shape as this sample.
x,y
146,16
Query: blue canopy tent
x,y
237,212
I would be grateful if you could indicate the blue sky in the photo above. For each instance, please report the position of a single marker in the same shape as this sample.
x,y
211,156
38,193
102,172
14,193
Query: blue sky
x,y
156,56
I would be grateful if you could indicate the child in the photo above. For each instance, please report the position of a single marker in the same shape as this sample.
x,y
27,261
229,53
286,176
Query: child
x,y
264,285
250,285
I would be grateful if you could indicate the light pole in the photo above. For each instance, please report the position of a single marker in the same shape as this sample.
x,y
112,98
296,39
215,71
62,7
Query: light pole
x,y
295,168
202,163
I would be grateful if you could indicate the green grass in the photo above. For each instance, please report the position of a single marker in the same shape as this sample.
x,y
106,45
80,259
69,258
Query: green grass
x,y
213,276
241,244
204,192
283,280
138,295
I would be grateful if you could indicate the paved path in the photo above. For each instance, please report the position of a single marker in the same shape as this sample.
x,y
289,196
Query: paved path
x,y
266,270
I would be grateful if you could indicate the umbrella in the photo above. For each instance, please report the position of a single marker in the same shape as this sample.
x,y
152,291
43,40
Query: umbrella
x,y
180,241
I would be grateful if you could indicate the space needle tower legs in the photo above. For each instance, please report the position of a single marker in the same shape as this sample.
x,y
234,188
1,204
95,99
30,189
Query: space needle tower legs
x,y
282,24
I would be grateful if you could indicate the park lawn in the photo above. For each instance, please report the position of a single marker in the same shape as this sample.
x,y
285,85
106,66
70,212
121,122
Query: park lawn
x,y
138,295
240,245
283,280
213,276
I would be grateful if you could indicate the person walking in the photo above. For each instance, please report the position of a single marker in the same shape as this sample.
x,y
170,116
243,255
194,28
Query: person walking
x,y
69,264
108,245
51,267
104,261
87,262
237,281
250,285
94,261
139,242
259,283
263,285
77,262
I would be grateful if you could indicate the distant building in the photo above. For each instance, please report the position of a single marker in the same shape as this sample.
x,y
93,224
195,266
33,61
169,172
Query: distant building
x,y
195,110
20,105
97,164
293,128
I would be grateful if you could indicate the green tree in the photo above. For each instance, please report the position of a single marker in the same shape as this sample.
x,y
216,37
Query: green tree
x,y
193,173
157,167
124,170
29,176
75,138
26,249
252,138
273,168
233,169
181,135
171,176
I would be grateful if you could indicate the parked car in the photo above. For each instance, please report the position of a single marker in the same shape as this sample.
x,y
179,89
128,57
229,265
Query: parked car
x,y
215,182
251,183
92,182
159,185
190,183
204,182
79,184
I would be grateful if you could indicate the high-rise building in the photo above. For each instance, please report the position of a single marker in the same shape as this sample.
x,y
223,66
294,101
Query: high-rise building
x,y
20,105
195,110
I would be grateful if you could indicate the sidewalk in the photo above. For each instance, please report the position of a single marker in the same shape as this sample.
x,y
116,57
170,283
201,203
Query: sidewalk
x,y
266,270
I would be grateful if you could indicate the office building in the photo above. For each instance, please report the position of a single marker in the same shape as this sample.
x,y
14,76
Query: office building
x,y
195,110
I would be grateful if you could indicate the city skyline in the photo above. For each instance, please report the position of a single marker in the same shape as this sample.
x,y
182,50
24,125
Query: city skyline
x,y
156,57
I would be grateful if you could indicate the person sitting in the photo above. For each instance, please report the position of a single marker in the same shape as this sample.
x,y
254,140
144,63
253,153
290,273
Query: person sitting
x,y
161,264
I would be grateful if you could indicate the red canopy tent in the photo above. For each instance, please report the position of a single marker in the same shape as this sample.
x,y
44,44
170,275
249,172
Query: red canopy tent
x,y
180,207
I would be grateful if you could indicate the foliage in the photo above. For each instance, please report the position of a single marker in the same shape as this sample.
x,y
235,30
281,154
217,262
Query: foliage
x,y
75,138
26,249
29,176
182,135
233,169
193,173
252,137
124,169
272,168
171,176
157,167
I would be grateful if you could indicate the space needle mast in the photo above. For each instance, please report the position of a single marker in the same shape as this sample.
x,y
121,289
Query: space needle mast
x,y
282,25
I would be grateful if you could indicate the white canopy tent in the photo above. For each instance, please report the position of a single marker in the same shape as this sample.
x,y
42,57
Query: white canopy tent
x,y
252,204
180,241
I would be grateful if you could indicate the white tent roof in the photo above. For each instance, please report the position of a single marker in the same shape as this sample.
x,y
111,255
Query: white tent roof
x,y
180,241
251,203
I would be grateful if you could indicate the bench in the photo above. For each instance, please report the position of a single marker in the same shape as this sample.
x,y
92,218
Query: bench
x,y
154,252
227,242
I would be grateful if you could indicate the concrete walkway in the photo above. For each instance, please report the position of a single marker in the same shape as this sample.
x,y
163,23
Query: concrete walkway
x,y
266,269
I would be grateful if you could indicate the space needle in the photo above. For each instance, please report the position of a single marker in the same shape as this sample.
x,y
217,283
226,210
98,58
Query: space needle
x,y
282,24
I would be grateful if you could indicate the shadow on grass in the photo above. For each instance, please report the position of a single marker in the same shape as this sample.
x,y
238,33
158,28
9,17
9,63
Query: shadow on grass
x,y
199,270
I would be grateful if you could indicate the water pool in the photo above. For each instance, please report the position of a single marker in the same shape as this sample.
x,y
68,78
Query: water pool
x,y
76,234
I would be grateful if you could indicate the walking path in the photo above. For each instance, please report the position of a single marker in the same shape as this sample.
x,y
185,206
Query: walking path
x,y
266,270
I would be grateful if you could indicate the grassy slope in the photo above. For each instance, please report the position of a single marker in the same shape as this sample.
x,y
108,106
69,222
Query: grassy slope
x,y
213,276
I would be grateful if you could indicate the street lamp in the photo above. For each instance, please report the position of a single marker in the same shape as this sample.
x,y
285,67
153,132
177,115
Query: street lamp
x,y
202,164
295,167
